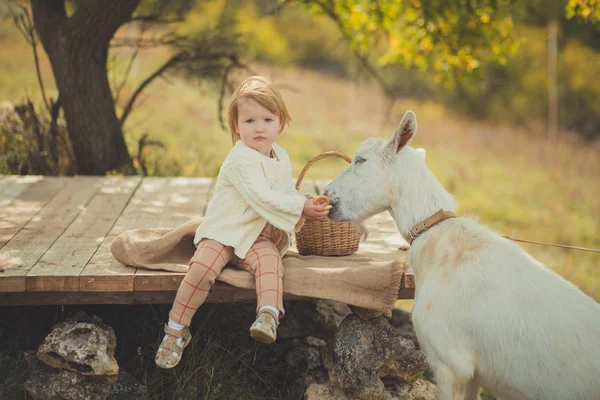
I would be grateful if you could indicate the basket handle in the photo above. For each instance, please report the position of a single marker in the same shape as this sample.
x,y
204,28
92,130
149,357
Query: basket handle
x,y
317,158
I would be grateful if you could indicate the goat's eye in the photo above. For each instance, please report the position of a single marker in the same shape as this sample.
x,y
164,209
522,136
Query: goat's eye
x,y
360,160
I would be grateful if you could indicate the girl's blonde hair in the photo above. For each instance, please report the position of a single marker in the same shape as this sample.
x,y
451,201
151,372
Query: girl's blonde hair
x,y
261,90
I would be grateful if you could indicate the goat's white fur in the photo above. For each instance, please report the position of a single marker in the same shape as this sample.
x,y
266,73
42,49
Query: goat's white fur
x,y
486,313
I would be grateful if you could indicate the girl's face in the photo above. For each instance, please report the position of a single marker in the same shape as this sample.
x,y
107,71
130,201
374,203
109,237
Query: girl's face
x,y
257,126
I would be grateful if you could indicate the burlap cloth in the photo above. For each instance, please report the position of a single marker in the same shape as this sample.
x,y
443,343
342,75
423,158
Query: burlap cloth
x,y
365,279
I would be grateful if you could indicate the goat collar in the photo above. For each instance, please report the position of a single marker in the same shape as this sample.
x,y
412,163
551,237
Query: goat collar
x,y
422,226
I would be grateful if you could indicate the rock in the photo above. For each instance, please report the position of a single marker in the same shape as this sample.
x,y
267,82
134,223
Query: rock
x,y
365,313
363,352
419,390
402,320
333,312
305,357
319,391
305,366
304,330
317,318
45,383
81,344
315,342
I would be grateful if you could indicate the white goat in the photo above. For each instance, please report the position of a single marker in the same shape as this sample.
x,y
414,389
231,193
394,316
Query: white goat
x,y
486,313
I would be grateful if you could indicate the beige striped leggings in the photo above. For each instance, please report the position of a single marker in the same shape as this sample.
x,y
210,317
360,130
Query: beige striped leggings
x,y
262,260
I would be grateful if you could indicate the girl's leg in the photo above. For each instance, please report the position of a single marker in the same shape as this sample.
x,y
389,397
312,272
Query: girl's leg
x,y
206,264
264,262
204,267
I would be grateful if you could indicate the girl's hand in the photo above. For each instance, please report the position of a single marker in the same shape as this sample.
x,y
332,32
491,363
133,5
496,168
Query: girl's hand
x,y
316,211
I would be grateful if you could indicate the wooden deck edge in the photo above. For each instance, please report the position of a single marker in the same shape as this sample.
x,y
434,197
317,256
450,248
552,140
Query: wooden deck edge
x,y
60,298
220,293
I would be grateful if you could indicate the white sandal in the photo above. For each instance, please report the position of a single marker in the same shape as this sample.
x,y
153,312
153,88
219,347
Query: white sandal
x,y
264,329
169,352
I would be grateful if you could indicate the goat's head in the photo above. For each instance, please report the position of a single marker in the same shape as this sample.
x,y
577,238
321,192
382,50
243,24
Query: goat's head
x,y
379,172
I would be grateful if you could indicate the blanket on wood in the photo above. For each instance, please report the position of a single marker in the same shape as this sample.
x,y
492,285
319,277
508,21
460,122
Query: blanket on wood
x,y
365,279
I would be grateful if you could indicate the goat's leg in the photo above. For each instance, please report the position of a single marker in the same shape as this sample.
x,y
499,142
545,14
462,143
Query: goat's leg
x,y
450,386
473,390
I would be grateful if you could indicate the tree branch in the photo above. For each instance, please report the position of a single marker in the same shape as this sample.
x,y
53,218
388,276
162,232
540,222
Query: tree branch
x,y
277,9
25,25
155,19
177,57
222,96
125,75
142,144
144,43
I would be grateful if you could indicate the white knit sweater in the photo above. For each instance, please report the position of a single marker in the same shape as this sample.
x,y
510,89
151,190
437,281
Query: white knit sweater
x,y
251,190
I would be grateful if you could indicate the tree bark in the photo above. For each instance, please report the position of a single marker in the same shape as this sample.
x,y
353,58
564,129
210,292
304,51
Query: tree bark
x,y
77,47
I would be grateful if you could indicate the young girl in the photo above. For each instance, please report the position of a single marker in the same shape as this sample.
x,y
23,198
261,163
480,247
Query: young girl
x,y
248,223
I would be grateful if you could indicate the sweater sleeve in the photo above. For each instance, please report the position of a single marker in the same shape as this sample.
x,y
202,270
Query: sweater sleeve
x,y
282,209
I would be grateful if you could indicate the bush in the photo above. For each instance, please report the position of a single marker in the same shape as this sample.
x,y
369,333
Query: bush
x,y
31,144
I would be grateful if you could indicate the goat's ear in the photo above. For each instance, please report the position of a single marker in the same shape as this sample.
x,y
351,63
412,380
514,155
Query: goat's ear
x,y
404,132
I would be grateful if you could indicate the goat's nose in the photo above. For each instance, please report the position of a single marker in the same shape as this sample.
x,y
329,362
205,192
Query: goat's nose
x,y
331,196
332,202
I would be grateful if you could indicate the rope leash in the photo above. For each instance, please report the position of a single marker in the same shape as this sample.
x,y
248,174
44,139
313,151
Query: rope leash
x,y
554,245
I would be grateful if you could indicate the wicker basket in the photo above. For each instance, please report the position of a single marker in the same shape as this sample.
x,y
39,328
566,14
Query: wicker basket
x,y
324,237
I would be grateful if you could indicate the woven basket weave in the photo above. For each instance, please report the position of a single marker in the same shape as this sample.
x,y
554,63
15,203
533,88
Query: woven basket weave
x,y
324,237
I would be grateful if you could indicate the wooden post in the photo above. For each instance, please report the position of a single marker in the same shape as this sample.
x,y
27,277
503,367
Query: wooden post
x,y
552,78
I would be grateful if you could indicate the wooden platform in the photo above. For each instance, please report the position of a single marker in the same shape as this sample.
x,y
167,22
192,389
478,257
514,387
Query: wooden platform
x,y
55,236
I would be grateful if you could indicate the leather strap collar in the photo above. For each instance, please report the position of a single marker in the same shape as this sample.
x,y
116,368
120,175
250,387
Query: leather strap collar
x,y
422,226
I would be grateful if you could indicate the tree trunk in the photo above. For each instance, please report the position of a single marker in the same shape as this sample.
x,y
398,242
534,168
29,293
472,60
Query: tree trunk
x,y
77,47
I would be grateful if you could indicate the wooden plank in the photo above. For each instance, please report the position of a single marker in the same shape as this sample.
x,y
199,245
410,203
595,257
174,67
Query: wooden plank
x,y
14,185
61,265
21,210
220,293
408,279
189,198
169,281
147,209
4,182
29,244
149,280
406,293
